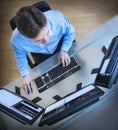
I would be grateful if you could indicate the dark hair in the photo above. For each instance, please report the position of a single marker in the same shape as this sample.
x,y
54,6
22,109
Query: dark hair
x,y
30,21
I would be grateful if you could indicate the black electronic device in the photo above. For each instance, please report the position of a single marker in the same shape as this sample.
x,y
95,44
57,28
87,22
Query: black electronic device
x,y
19,107
70,104
108,72
56,74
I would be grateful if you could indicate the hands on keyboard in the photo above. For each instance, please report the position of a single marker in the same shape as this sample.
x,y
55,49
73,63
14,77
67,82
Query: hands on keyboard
x,y
56,74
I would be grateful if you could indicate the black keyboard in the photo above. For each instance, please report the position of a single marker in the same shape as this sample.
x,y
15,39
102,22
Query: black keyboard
x,y
71,104
56,74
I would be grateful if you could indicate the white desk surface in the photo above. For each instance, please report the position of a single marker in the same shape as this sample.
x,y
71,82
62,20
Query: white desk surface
x,y
99,116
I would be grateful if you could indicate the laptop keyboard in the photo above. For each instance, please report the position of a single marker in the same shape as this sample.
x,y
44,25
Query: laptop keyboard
x,y
55,75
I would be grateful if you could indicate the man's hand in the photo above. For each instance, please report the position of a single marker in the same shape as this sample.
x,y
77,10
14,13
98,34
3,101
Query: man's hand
x,y
64,58
27,84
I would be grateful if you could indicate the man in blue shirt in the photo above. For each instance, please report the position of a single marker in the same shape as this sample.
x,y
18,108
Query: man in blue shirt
x,y
39,32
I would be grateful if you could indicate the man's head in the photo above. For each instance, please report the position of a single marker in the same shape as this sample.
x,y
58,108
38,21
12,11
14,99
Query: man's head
x,y
31,23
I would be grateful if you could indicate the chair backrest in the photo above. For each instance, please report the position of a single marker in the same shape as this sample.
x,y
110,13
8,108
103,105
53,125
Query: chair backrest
x,y
43,6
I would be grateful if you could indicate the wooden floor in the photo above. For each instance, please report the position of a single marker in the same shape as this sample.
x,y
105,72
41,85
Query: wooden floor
x,y
85,15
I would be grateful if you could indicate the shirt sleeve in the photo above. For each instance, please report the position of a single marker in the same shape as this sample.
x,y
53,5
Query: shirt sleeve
x,y
69,34
22,63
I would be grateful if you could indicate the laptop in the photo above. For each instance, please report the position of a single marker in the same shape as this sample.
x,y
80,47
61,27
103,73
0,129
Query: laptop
x,y
108,71
19,107
70,104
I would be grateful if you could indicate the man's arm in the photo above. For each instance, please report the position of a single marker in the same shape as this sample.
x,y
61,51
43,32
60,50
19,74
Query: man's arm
x,y
68,34
22,64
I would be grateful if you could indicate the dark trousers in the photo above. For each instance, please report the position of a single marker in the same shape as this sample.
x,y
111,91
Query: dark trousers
x,y
40,57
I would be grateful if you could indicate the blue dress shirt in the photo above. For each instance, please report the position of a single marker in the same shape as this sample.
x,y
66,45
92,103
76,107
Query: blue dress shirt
x,y
58,26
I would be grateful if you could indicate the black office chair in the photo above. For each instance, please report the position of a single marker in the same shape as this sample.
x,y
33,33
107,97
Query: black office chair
x,y
43,6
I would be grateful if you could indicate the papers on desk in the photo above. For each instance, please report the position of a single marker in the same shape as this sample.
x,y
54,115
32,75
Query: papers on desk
x,y
8,99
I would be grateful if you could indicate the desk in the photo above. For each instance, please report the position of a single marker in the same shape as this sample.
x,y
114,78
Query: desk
x,y
99,116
